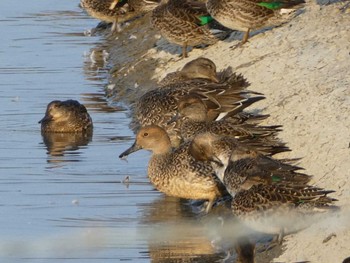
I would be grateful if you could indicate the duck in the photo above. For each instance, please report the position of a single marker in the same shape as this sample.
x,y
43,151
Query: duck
x,y
185,23
159,106
174,171
248,163
67,116
110,11
199,68
192,115
268,195
247,15
279,209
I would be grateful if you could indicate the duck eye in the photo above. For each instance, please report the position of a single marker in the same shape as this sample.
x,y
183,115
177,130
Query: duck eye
x,y
145,134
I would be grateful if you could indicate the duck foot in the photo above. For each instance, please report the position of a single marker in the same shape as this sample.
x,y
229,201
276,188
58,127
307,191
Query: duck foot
x,y
244,40
276,241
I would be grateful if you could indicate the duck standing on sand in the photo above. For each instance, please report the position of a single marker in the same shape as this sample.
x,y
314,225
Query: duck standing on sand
x,y
185,23
246,15
66,117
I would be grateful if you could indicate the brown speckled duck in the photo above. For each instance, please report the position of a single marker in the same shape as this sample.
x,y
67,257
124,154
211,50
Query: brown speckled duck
x,y
269,195
110,11
246,15
67,117
280,209
248,160
193,119
174,171
199,68
185,23
159,105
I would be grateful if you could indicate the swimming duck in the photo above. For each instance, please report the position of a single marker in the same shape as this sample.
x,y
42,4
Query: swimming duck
x,y
66,116
185,23
246,15
174,171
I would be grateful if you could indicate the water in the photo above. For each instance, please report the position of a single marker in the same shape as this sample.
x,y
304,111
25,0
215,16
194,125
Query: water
x,y
64,198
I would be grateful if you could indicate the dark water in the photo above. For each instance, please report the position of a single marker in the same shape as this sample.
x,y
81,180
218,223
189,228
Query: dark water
x,y
63,199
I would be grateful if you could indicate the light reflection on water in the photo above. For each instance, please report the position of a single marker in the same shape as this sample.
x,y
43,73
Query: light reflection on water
x,y
63,196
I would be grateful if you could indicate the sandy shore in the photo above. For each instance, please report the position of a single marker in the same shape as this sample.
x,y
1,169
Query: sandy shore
x,y
303,68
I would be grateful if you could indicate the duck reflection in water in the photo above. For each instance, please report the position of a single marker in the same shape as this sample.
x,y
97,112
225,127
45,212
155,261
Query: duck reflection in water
x,y
65,127
180,234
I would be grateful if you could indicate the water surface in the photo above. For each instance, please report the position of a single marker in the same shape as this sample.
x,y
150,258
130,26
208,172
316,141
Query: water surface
x,y
64,197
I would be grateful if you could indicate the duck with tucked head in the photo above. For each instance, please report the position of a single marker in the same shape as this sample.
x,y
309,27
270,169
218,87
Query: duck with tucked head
x,y
199,68
66,117
159,105
174,171
193,118
110,11
269,195
249,161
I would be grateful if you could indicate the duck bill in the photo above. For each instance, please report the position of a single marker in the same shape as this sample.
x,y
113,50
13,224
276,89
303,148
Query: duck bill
x,y
132,149
45,119
215,79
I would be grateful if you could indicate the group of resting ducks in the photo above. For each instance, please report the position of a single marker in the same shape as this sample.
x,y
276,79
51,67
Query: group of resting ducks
x,y
204,145
194,23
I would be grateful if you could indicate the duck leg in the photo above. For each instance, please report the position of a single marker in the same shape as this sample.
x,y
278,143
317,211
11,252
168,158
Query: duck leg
x,y
276,241
280,236
209,206
115,26
244,40
245,37
113,4
184,50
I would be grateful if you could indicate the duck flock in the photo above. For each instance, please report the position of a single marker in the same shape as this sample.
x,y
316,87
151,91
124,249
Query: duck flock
x,y
204,144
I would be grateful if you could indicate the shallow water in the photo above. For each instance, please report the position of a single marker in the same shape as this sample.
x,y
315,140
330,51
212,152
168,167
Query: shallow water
x,y
63,197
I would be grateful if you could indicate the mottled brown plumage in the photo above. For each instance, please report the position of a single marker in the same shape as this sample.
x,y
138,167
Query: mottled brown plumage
x,y
193,119
242,165
159,106
269,195
110,11
246,15
176,172
279,209
200,68
66,116
143,6
179,22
